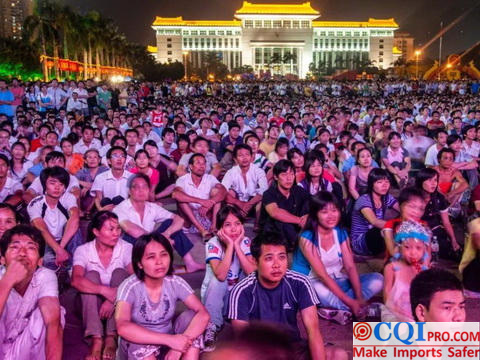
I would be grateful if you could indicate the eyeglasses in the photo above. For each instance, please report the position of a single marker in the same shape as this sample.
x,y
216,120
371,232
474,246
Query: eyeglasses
x,y
117,156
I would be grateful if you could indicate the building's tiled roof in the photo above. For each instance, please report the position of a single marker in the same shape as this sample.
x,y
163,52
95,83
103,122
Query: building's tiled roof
x,y
383,23
178,21
291,9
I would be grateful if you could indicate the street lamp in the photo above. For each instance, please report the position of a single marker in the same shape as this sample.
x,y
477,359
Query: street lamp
x,y
185,66
417,54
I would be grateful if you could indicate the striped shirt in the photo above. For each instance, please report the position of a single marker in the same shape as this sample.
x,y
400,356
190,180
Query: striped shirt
x,y
156,316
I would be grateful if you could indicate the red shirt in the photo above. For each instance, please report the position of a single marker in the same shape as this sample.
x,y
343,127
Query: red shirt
x,y
35,144
158,118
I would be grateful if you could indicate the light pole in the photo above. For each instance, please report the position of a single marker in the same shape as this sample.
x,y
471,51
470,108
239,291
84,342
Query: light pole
x,y
417,54
185,65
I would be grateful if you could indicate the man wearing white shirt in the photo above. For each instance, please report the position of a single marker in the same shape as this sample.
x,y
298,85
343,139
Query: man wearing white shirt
x,y
56,215
74,103
110,188
137,216
82,95
168,142
199,196
432,152
30,313
58,96
245,183
87,141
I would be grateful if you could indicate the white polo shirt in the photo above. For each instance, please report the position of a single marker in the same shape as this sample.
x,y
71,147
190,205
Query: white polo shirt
x,y
11,187
55,218
256,182
152,215
86,256
208,182
81,148
109,186
37,188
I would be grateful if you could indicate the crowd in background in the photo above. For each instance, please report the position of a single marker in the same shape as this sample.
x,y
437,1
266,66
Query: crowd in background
x,y
288,184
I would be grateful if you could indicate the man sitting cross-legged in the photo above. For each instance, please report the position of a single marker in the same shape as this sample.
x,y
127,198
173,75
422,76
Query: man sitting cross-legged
x,y
245,183
275,294
30,315
199,196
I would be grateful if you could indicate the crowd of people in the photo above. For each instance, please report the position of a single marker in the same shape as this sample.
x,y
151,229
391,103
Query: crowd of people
x,y
288,184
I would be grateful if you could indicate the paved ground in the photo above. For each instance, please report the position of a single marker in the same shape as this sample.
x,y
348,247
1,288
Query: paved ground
x,y
75,348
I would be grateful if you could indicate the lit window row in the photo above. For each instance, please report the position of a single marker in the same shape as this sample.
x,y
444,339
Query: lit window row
x,y
277,24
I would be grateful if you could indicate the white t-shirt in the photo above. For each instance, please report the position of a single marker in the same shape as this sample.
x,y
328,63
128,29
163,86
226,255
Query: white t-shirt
x,y
18,309
110,186
214,250
86,256
208,182
431,156
152,214
81,148
55,218
256,182
11,187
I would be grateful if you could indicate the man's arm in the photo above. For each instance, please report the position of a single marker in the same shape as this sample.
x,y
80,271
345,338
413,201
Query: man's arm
x,y
132,229
71,227
179,195
281,215
315,340
50,309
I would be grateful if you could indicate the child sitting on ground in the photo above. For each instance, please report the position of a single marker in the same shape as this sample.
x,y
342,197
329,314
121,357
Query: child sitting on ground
x,y
412,241
228,261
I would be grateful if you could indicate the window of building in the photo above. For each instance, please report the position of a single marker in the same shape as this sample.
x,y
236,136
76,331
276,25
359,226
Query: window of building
x,y
258,55
214,43
258,23
169,45
211,32
220,43
203,32
338,43
323,33
364,33
381,40
169,39
185,32
169,53
339,33
190,42
169,60
237,43
348,33
231,43
380,46
380,60
326,43
208,42
229,32
184,42
194,32
277,24
356,33
221,32
202,43
196,43
316,43
331,33
321,43
380,53
267,24
287,24
305,24
248,24
295,24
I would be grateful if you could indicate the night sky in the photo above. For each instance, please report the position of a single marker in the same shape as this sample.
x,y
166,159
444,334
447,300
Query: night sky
x,y
421,18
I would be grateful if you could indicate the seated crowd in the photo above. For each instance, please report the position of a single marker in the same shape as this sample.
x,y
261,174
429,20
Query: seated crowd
x,y
287,190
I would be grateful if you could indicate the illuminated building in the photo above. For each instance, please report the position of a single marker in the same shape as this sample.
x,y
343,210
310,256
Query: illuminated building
x,y
405,43
282,38
12,15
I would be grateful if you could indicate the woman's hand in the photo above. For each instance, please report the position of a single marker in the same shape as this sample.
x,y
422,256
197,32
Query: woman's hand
x,y
224,238
180,342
